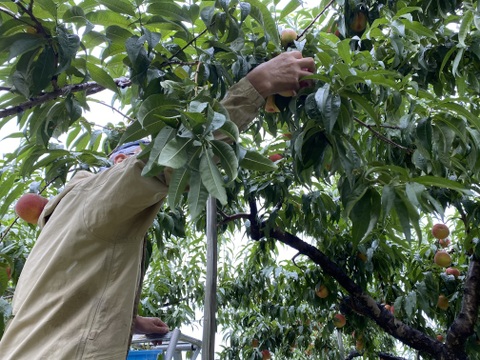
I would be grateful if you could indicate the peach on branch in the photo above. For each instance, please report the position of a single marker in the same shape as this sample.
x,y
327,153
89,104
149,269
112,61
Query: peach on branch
x,y
275,157
442,302
390,308
322,291
287,37
442,258
266,355
452,271
444,242
339,320
30,206
440,231
270,105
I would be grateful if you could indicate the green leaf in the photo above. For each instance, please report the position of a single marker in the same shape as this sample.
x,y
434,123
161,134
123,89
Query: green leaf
x,y
403,216
363,103
169,10
102,77
212,179
440,182
119,6
19,44
197,196
365,214
49,6
230,129
67,50
264,16
227,158
174,154
411,304
177,185
290,7
159,107
465,27
419,29
257,162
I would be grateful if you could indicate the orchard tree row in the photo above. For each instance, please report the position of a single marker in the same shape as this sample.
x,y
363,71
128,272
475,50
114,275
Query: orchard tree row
x,y
368,175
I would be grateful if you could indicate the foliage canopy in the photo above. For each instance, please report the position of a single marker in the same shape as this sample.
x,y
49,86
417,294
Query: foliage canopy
x,y
385,144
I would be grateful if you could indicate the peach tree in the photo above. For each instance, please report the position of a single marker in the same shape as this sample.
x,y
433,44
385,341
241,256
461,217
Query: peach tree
x,y
383,146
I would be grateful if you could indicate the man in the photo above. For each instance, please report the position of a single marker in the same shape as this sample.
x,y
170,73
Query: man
x,y
75,298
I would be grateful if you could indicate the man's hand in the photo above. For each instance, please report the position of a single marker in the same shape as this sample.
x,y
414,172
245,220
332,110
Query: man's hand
x,y
150,325
281,74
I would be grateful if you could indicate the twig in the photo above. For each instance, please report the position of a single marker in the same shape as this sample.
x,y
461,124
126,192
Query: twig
x,y
294,263
38,24
229,218
316,18
382,137
187,45
116,110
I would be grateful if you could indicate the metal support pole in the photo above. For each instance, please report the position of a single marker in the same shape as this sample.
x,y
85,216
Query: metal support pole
x,y
210,310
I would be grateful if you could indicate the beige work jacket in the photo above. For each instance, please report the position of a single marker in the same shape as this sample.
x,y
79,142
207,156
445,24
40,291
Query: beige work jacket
x,y
76,294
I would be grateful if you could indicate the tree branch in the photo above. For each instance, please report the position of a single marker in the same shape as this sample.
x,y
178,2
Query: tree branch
x,y
90,87
315,19
385,356
361,302
382,137
463,325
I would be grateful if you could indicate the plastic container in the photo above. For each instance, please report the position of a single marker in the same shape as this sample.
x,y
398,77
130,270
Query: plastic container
x,y
143,354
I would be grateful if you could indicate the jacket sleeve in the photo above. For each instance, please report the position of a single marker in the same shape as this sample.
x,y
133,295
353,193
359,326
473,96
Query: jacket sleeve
x,y
242,103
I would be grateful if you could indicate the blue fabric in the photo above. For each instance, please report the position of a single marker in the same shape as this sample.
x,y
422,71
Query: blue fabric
x,y
127,148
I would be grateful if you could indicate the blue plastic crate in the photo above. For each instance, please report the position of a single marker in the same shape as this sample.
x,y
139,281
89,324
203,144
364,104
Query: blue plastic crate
x,y
143,354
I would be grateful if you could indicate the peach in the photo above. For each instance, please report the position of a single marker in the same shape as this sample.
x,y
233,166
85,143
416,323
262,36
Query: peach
x,y
440,231
442,302
442,258
339,320
287,36
30,206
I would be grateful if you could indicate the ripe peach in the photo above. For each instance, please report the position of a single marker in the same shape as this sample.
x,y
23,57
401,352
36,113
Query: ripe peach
x,y
440,231
444,243
390,308
440,337
442,302
359,345
287,36
452,271
442,258
266,355
275,157
339,320
30,206
270,105
322,292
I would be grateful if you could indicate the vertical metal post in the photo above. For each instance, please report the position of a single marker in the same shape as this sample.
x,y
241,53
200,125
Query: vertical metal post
x,y
210,310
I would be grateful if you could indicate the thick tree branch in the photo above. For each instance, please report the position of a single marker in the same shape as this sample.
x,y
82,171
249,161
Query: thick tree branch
x,y
361,302
384,356
463,325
